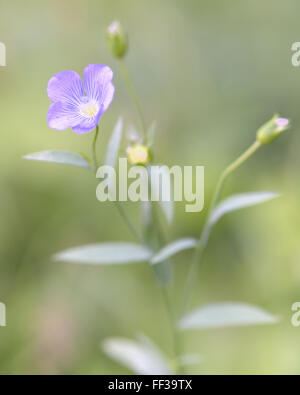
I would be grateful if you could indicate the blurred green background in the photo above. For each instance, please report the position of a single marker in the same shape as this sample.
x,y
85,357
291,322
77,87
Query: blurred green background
x,y
210,73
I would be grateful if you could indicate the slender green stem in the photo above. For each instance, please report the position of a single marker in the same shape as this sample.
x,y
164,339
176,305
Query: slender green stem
x,y
229,169
94,154
166,296
128,222
191,278
204,237
133,94
131,227
122,212
175,332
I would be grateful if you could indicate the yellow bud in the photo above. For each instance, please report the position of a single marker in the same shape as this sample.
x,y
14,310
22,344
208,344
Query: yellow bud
x,y
139,154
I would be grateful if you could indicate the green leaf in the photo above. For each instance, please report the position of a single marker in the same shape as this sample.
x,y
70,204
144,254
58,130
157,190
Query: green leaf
x,y
240,201
132,134
168,210
61,157
114,144
227,314
105,253
172,249
142,356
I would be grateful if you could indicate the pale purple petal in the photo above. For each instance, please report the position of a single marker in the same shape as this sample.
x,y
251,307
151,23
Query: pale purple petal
x,y
282,123
97,82
65,86
62,116
108,96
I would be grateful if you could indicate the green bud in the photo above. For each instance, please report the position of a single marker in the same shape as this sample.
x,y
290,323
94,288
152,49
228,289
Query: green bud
x,y
117,40
272,129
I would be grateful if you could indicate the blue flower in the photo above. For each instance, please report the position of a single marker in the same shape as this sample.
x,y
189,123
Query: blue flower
x,y
79,105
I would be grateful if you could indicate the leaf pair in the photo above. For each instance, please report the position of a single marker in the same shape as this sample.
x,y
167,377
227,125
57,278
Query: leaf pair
x,y
143,357
233,203
114,253
79,160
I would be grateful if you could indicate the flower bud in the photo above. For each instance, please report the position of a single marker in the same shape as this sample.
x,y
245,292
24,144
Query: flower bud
x,y
117,39
272,129
139,154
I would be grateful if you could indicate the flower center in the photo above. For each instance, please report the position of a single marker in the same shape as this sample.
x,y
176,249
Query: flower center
x,y
88,108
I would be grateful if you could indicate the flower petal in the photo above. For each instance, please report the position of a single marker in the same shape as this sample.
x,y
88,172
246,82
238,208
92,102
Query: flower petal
x,y
108,96
62,116
87,124
66,87
98,83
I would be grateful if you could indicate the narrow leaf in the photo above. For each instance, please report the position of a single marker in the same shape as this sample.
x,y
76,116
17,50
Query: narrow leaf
x,y
226,315
114,144
132,134
61,157
237,202
168,210
105,253
172,249
142,357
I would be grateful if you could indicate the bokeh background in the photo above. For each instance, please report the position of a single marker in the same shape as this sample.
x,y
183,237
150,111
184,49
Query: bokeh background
x,y
210,73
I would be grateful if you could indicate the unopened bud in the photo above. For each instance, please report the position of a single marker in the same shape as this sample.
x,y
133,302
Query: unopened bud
x,y
139,154
272,129
117,39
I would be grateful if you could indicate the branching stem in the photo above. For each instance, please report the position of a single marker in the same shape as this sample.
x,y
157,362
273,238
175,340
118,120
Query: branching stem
x,y
204,237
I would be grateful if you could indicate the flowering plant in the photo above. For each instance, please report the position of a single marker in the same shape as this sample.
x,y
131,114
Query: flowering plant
x,y
79,105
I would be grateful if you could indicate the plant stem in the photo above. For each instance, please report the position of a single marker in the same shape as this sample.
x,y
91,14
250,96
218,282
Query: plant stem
x,y
166,296
128,222
94,154
122,212
173,324
133,94
229,169
191,277
204,237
